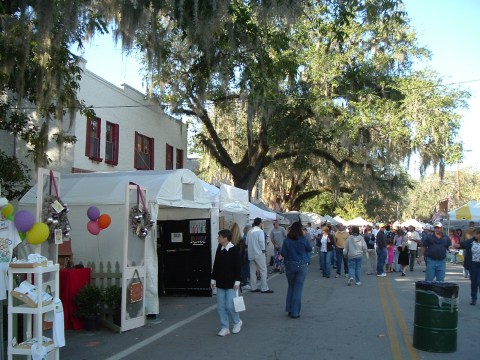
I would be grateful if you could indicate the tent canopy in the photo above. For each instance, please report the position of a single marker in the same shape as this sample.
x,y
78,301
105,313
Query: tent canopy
x,y
470,211
358,221
341,220
415,223
174,188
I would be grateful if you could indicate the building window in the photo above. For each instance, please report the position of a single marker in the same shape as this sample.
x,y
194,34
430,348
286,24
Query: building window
x,y
169,157
92,146
143,152
111,144
179,159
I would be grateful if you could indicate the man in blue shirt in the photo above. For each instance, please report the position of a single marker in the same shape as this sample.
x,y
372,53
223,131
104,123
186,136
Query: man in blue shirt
x,y
434,251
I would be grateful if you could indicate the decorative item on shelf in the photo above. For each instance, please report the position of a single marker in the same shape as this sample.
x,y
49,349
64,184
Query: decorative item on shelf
x,y
140,219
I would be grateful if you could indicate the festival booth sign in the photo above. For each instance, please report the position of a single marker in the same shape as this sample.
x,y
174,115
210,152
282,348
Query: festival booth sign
x,y
179,243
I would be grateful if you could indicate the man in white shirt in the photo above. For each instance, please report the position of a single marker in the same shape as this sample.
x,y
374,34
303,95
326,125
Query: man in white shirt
x,y
413,238
256,256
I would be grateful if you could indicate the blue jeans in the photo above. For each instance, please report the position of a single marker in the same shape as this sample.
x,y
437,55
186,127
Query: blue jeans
x,y
296,273
341,258
381,257
225,307
475,279
354,268
325,261
435,270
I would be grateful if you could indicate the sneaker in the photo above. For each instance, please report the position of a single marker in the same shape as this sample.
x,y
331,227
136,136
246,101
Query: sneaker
x,y
336,276
223,332
403,274
358,283
346,275
267,291
246,287
350,281
237,327
382,274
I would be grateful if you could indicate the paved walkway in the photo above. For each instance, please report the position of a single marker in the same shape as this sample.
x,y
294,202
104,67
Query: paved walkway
x,y
371,321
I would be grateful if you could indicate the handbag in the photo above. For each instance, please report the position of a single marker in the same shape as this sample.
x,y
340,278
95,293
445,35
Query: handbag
x,y
238,303
135,289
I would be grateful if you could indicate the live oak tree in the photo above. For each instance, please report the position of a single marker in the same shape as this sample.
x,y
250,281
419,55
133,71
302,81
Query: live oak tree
x,y
314,87
39,70
327,103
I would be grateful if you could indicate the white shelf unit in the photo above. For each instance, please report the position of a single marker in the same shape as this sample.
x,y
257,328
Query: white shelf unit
x,y
34,322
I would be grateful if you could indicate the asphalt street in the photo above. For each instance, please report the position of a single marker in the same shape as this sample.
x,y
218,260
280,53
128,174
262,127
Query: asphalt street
x,y
372,321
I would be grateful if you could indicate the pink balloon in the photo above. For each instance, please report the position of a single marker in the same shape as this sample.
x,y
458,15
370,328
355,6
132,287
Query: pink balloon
x,y
93,227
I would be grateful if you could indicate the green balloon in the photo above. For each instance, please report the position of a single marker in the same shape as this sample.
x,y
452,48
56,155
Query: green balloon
x,y
22,235
9,217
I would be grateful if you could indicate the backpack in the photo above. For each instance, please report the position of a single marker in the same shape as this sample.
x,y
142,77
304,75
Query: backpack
x,y
371,241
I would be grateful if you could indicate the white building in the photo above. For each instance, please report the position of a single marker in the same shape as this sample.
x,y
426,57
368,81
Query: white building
x,y
127,133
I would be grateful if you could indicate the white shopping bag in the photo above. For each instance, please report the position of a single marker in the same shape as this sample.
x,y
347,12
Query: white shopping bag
x,y
238,303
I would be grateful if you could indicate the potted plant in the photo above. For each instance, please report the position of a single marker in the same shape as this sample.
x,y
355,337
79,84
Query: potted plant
x,y
89,301
112,298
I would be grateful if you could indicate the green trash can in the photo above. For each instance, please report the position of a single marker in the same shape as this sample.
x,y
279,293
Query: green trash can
x,y
436,316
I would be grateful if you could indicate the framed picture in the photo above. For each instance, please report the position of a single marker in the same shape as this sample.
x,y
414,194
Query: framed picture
x,y
58,236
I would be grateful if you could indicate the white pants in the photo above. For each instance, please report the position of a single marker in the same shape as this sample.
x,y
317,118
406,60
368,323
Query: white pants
x,y
258,263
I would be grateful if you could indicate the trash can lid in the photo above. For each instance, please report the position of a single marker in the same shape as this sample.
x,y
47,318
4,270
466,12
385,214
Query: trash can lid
x,y
443,289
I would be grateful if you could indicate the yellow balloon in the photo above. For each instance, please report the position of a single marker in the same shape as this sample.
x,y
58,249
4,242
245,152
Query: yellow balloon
x,y
38,233
7,210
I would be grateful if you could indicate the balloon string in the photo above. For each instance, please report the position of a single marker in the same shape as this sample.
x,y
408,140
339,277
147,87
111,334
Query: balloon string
x,y
98,248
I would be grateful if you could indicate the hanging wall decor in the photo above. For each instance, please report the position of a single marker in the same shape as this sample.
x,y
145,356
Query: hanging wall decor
x,y
55,213
140,219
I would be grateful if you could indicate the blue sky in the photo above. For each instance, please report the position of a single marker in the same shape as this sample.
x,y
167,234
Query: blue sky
x,y
448,28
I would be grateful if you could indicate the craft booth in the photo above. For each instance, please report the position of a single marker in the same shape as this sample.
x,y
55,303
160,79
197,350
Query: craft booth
x,y
162,231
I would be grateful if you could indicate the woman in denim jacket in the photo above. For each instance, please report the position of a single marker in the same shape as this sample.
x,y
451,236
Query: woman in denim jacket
x,y
296,251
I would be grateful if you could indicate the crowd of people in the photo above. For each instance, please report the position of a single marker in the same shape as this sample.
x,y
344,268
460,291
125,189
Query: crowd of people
x,y
241,260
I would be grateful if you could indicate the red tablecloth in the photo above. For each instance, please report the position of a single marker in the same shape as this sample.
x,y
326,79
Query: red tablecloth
x,y
72,280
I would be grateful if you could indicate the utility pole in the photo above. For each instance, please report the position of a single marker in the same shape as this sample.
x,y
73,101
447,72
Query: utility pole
x,y
458,185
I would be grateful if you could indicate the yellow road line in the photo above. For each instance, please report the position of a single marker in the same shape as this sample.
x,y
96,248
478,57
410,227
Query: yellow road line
x,y
392,334
388,299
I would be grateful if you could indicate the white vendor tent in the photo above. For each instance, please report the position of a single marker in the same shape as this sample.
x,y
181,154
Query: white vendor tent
x,y
341,220
330,219
413,222
172,196
314,218
358,221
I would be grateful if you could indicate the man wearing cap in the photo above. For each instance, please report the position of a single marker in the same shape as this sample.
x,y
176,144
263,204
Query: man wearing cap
x,y
381,242
434,251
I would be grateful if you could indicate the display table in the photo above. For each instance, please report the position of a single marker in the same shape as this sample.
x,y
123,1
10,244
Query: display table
x,y
71,281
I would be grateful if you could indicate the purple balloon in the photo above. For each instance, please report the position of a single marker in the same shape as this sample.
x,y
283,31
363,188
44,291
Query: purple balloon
x,y
93,227
93,213
24,220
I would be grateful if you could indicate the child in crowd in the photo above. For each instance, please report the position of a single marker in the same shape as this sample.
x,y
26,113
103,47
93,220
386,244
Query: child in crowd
x,y
390,255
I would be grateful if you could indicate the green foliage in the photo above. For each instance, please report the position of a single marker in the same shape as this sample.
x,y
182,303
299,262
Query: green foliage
x,y
14,177
421,201
349,208
89,301
112,297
